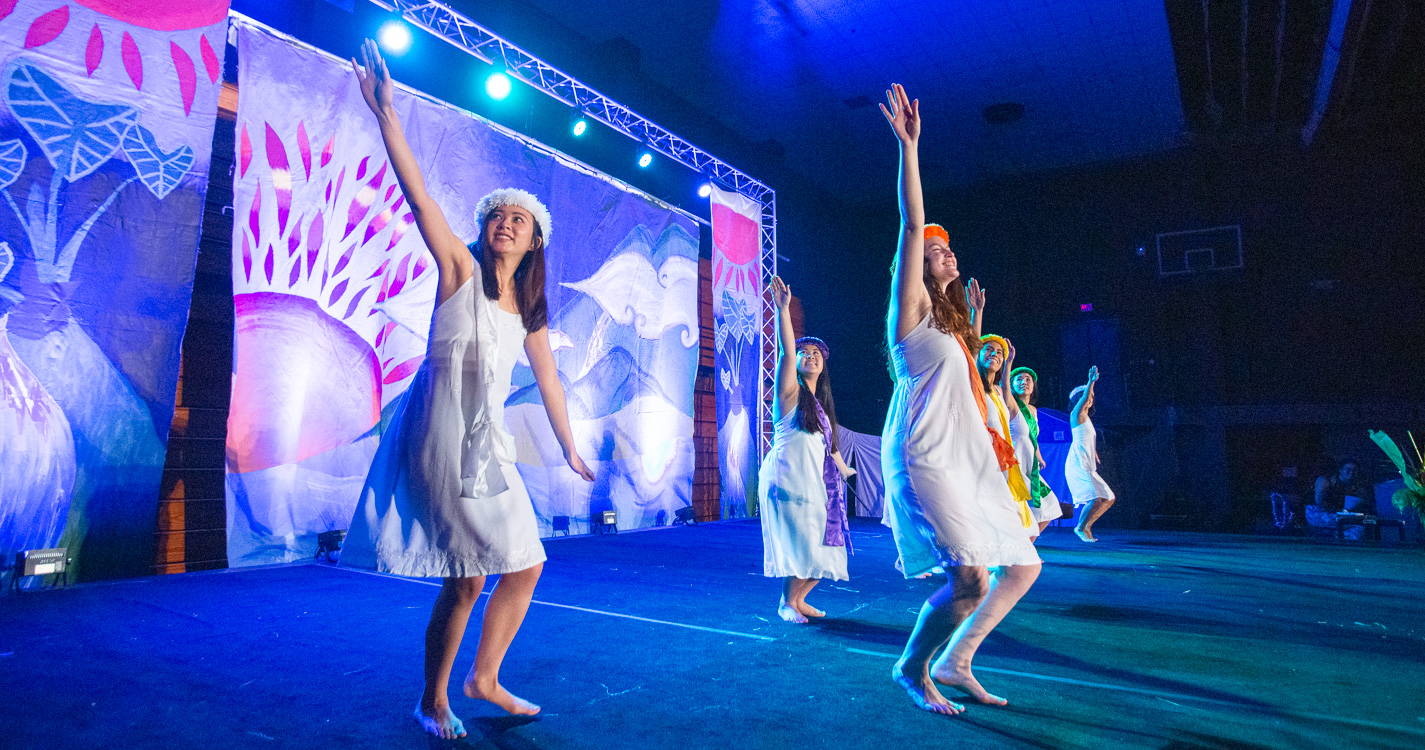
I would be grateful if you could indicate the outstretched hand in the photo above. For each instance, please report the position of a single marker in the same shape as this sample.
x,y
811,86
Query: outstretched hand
x,y
903,115
975,296
1093,374
577,464
781,293
1008,355
375,79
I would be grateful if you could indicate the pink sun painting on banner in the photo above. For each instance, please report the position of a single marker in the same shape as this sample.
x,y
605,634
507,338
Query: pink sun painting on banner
x,y
334,290
737,309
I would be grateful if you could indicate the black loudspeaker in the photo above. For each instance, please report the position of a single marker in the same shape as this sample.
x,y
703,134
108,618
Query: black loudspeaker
x,y
685,516
561,523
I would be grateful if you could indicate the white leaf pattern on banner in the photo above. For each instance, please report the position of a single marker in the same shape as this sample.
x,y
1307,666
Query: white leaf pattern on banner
x,y
159,171
77,135
12,162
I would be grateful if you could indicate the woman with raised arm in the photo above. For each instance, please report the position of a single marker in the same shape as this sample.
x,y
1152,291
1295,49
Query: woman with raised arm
x,y
443,498
801,496
950,503
1081,468
1024,433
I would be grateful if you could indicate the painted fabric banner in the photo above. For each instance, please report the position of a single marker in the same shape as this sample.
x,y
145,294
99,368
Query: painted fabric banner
x,y
105,133
737,332
334,289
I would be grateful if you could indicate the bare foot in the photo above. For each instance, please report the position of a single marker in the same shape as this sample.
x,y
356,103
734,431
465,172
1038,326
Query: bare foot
x,y
923,693
965,682
440,722
790,614
809,610
501,697
1087,536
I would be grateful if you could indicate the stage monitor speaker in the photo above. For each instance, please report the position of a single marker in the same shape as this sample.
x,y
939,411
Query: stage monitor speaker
x,y
561,523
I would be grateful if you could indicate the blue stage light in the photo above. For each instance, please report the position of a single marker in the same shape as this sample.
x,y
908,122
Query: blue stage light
x,y
395,37
498,86
645,158
704,190
578,124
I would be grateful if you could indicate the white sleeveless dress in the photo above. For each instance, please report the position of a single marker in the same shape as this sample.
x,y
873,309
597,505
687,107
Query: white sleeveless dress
x,y
791,494
1048,509
950,504
1081,468
443,497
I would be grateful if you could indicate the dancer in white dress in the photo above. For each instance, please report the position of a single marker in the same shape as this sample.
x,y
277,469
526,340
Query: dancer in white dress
x,y
1081,469
950,503
1024,433
991,363
799,489
443,497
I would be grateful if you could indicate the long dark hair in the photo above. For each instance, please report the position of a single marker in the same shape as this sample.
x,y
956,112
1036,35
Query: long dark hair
x,y
529,278
806,405
985,377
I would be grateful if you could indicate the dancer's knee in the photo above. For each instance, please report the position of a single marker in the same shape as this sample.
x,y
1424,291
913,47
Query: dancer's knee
x,y
969,583
526,578
465,590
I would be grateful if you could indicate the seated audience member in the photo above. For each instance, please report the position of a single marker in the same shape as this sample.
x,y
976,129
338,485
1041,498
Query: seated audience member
x,y
1335,494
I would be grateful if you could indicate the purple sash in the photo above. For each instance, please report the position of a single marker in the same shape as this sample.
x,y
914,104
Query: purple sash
x,y
836,524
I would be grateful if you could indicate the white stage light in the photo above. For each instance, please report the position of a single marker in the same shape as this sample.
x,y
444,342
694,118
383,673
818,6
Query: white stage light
x,y
395,37
498,86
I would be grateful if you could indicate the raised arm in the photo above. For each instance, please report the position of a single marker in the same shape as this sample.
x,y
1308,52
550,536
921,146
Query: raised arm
x,y
1006,390
975,297
1081,408
452,259
546,376
910,300
788,389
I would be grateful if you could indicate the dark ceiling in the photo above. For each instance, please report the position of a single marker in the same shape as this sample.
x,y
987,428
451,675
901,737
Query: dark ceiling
x,y
797,81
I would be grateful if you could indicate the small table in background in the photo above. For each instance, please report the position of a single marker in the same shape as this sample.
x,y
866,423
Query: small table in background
x,y
1371,524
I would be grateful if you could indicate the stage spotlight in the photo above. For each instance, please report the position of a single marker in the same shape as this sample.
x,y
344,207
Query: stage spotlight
x,y
704,190
395,37
498,85
578,123
645,157
603,522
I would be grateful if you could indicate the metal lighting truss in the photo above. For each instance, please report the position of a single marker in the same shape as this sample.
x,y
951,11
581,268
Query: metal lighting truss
x,y
447,23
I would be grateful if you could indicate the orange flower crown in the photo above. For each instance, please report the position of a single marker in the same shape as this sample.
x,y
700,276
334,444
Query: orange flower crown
x,y
935,230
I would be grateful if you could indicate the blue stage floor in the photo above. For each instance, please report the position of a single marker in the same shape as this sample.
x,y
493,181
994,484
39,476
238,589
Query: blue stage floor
x,y
669,638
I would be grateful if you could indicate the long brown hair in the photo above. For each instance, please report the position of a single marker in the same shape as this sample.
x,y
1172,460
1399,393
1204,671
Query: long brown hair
x,y
806,405
950,311
529,278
